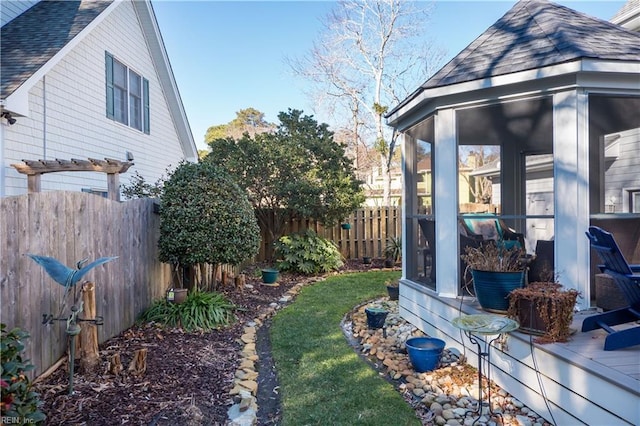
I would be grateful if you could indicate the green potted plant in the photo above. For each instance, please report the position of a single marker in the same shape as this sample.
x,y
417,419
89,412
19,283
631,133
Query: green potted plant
x,y
393,251
544,309
496,271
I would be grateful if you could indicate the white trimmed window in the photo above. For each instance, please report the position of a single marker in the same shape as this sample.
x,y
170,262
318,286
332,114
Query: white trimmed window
x,y
127,95
634,201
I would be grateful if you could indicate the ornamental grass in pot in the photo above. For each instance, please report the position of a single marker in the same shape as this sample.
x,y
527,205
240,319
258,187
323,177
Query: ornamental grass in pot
x,y
496,271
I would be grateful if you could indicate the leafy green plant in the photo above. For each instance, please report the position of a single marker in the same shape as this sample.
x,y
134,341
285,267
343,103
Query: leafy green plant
x,y
201,310
297,171
307,253
19,403
138,187
393,249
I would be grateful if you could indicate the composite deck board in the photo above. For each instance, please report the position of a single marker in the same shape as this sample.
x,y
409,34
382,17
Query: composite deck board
x,y
583,383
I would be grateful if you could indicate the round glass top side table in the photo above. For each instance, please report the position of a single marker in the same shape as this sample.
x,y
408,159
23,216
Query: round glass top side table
x,y
485,325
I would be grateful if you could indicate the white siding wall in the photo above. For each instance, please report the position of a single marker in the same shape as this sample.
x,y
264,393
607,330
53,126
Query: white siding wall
x,y
12,8
68,113
623,173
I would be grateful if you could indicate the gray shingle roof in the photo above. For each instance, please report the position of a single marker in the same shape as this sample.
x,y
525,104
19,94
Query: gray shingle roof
x,y
34,37
534,34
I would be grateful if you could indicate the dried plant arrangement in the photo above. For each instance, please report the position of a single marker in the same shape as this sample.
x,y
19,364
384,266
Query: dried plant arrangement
x,y
544,308
489,256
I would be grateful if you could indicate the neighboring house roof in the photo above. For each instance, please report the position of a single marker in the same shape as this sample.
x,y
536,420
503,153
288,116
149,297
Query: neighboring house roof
x,y
536,163
629,15
531,35
38,39
424,164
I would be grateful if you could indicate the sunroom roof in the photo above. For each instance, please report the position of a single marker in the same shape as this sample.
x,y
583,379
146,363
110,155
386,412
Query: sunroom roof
x,y
531,35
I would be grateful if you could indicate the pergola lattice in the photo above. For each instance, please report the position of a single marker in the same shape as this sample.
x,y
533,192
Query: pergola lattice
x,y
36,168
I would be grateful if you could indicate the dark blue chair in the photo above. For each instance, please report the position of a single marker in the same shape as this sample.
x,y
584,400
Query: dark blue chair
x,y
627,278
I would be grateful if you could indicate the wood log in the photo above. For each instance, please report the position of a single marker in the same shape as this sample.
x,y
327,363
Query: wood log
x,y
115,365
240,281
88,348
138,364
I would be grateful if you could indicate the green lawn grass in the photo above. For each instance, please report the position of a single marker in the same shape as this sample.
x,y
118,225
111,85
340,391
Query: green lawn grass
x,y
322,379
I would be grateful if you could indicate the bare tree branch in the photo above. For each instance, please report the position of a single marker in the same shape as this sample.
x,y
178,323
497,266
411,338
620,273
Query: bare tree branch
x,y
370,55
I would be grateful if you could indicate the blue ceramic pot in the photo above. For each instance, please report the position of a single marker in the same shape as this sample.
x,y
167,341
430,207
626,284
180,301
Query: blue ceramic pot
x,y
424,352
493,288
376,317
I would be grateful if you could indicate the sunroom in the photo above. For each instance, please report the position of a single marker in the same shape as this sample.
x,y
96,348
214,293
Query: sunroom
x,y
537,122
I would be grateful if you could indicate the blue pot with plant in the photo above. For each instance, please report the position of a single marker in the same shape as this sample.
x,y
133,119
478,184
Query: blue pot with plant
x,y
496,271
376,317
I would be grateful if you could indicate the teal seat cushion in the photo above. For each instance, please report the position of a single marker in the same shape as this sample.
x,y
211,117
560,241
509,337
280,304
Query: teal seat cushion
x,y
509,244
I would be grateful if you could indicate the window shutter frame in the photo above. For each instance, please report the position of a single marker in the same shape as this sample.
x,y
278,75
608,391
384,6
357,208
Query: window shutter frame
x,y
109,85
146,116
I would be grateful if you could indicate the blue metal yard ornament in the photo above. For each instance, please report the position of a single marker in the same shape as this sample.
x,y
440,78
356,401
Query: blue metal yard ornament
x,y
68,278
63,274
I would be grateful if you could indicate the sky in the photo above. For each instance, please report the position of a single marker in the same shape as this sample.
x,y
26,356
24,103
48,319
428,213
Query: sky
x,y
230,55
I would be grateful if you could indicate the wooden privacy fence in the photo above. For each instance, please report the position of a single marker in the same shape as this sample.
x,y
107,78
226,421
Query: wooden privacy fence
x,y
71,226
370,230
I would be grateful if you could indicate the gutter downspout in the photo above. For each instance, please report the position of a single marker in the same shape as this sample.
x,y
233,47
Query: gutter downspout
x,y
44,117
2,180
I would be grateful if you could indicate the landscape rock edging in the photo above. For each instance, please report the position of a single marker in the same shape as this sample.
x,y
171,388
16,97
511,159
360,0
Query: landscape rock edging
x,y
244,392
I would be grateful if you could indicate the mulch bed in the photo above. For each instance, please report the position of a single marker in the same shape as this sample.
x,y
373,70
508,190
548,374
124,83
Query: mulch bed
x,y
188,375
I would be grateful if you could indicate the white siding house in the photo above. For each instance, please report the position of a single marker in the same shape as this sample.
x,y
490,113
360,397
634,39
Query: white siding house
x,y
60,89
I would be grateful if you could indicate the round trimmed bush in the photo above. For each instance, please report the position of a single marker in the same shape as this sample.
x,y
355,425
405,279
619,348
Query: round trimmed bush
x,y
206,218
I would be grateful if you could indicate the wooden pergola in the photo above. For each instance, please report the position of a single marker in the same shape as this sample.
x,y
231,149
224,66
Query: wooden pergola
x,y
36,168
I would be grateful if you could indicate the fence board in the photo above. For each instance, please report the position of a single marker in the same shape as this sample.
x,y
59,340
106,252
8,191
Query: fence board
x,y
371,228
70,226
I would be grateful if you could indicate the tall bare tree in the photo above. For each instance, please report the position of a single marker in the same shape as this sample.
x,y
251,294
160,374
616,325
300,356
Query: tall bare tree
x,y
369,56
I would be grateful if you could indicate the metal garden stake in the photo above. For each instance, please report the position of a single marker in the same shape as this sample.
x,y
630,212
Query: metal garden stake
x,y
68,278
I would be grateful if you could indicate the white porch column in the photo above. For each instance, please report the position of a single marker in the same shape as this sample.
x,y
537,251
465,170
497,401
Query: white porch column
x,y
409,201
571,189
445,175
